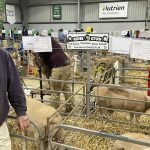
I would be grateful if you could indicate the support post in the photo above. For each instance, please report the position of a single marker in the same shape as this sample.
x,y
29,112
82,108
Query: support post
x,y
24,12
88,87
41,85
79,22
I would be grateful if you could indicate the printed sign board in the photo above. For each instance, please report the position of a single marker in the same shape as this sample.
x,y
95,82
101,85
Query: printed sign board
x,y
113,10
28,42
56,12
88,41
120,45
10,13
140,49
42,44
37,43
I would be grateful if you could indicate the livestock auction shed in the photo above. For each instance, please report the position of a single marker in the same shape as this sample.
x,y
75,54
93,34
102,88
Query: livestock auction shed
x,y
108,46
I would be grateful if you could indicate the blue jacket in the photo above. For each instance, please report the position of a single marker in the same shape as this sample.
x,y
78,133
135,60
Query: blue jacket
x,y
10,88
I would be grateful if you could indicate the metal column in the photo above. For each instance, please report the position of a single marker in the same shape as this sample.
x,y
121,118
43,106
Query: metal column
x,y
79,23
147,16
88,84
24,12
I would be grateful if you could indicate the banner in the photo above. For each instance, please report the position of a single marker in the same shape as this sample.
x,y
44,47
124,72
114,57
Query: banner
x,y
88,41
120,45
113,10
42,44
10,13
57,12
140,49
28,42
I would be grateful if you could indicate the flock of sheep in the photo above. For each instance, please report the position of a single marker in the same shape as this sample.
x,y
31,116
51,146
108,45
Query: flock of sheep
x,y
139,103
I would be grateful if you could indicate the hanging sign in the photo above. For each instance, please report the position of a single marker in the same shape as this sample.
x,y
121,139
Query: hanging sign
x,y
42,44
10,13
88,41
140,49
57,12
122,48
113,10
28,42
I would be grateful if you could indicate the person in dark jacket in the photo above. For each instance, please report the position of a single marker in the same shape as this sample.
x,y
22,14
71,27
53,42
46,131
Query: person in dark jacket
x,y
56,64
10,92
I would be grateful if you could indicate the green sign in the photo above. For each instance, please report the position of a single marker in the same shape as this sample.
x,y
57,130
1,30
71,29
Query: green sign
x,y
57,12
2,7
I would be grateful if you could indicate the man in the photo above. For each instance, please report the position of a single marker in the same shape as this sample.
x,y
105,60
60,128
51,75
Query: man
x,y
10,91
57,65
61,36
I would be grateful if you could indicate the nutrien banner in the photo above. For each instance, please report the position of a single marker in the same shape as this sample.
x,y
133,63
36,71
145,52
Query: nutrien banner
x,y
113,10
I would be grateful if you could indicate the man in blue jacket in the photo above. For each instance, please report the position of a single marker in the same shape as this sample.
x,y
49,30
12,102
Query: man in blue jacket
x,y
10,92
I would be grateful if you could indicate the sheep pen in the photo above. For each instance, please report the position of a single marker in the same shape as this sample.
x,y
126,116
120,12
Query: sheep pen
x,y
118,123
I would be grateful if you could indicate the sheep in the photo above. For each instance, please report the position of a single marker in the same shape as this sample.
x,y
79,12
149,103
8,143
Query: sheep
x,y
111,59
38,113
122,104
121,145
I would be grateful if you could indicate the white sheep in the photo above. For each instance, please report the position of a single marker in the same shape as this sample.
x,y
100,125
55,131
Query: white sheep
x,y
121,145
117,92
38,113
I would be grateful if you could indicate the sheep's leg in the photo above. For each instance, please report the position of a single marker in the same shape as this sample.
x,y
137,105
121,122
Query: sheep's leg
x,y
104,113
24,141
131,117
137,117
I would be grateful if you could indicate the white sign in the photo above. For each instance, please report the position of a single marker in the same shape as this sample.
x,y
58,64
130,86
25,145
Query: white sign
x,y
88,41
19,32
140,49
30,32
3,31
44,32
113,10
120,45
28,42
10,13
42,44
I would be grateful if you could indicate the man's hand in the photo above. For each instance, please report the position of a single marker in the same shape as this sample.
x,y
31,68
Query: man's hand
x,y
23,122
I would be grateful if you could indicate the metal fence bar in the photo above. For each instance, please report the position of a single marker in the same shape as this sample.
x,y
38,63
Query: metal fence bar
x,y
44,79
136,68
126,99
132,77
126,111
119,86
103,134
66,146
121,122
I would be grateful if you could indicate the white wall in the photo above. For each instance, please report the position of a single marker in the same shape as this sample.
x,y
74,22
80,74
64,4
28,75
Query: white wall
x,y
111,27
55,27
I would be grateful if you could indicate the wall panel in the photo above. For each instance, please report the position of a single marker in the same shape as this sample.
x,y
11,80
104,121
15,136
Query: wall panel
x,y
55,27
31,2
136,11
11,26
13,2
39,14
89,15
18,14
114,27
44,14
